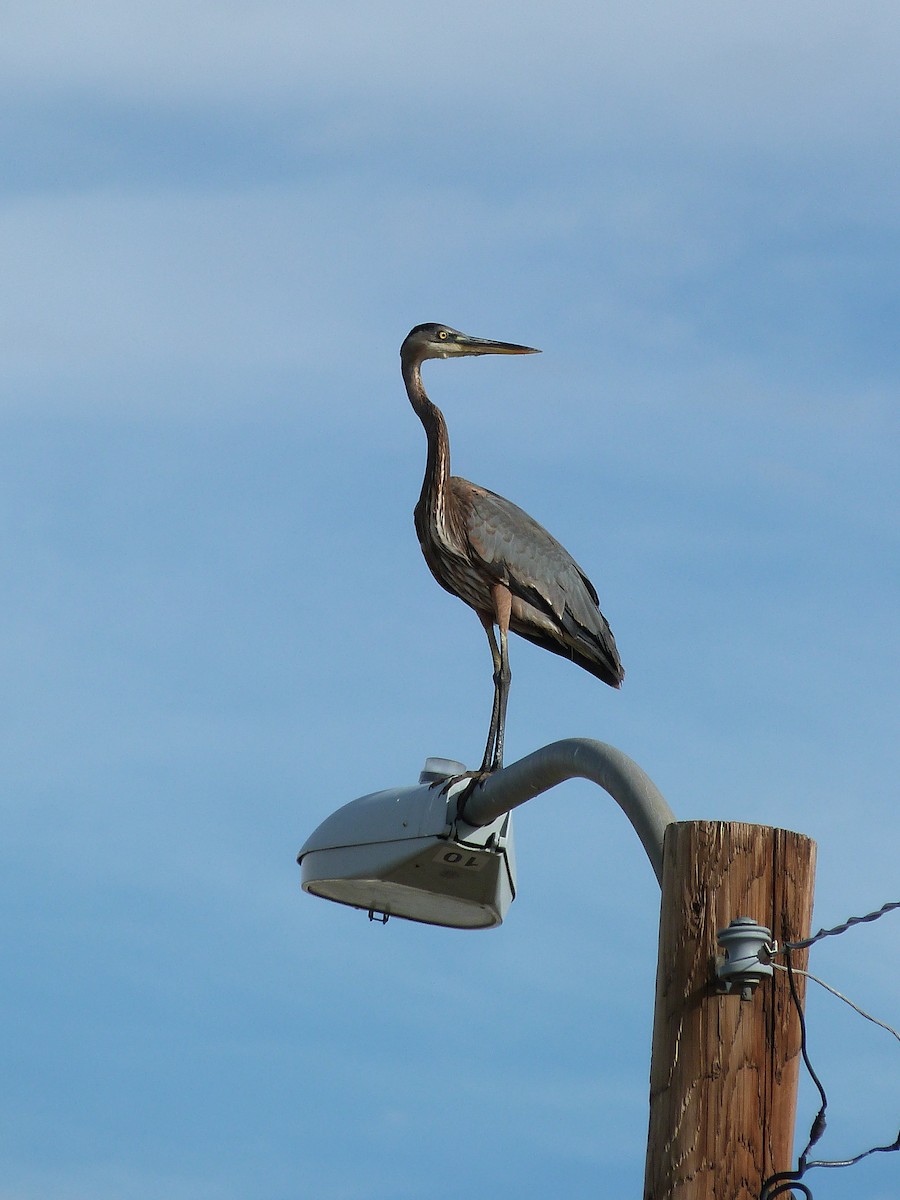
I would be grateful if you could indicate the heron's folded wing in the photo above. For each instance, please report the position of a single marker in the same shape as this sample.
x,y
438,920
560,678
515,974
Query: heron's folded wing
x,y
525,557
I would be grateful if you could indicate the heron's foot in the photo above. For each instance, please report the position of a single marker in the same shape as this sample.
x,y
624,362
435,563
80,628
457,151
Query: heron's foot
x,y
474,778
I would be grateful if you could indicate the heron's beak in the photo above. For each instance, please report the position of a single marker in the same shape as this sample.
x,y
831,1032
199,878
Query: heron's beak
x,y
474,345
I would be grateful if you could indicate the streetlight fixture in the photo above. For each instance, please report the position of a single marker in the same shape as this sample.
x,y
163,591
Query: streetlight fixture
x,y
405,852
431,853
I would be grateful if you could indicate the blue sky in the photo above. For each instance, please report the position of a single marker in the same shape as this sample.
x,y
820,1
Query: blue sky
x,y
217,223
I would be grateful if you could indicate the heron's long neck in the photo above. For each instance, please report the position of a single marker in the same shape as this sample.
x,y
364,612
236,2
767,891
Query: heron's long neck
x,y
435,485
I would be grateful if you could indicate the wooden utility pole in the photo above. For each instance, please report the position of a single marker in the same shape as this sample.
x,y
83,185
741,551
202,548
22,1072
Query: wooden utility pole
x,y
724,1071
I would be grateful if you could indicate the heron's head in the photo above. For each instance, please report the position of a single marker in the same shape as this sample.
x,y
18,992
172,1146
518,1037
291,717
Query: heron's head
x,y
440,341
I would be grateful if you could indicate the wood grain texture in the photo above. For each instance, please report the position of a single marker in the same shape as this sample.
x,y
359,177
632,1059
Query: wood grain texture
x,y
724,1071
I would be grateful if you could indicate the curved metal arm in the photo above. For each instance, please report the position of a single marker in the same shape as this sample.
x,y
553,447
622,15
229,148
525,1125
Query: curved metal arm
x,y
577,758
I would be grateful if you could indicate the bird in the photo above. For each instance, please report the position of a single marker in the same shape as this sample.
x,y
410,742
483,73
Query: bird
x,y
492,555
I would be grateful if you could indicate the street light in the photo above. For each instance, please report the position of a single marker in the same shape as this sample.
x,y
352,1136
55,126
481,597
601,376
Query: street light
x,y
406,853
430,853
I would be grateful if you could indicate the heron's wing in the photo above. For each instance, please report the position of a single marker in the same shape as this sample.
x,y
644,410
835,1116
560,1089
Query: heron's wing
x,y
519,552
558,606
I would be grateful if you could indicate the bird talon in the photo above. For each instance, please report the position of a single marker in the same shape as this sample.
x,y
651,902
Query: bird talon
x,y
474,777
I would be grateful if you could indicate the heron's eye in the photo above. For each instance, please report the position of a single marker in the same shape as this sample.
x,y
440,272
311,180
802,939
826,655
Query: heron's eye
x,y
443,335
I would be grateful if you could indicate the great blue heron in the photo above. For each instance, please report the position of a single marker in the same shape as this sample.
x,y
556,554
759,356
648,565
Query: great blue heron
x,y
492,555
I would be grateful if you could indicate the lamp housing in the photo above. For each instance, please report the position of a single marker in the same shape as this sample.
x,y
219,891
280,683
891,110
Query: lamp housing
x,y
403,852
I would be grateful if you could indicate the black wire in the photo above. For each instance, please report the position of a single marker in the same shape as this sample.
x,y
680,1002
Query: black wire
x,y
849,1162
818,1125
849,923
789,1184
785,1181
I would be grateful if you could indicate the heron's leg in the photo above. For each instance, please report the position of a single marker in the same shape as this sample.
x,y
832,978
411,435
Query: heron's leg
x,y
502,698
489,754
493,751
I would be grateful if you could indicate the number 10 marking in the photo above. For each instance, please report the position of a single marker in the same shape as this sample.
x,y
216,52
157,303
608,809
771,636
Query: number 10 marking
x,y
463,859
